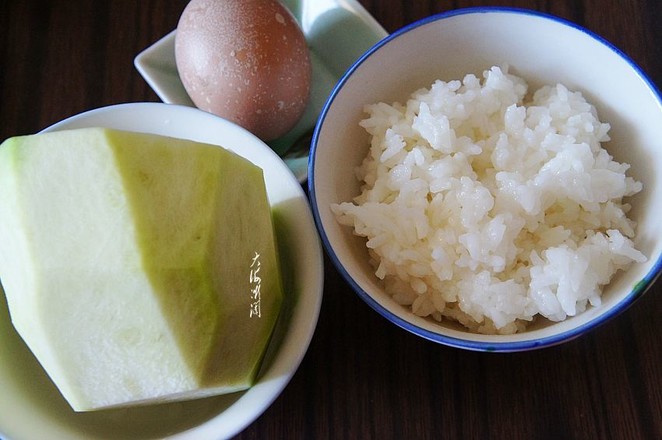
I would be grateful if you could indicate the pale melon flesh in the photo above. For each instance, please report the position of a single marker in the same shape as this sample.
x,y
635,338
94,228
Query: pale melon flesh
x,y
137,268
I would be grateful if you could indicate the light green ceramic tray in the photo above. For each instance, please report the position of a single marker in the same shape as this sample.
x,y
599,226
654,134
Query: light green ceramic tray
x,y
338,32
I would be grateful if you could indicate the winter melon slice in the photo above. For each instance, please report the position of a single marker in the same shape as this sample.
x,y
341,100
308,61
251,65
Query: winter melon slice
x,y
138,268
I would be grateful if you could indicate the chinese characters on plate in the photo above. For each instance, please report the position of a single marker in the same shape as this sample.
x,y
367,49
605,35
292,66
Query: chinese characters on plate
x,y
255,282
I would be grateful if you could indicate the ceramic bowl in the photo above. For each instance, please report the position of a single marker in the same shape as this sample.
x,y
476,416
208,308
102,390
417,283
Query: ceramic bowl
x,y
543,50
31,406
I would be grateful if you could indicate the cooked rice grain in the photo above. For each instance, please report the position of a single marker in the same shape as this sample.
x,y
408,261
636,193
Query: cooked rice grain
x,y
488,206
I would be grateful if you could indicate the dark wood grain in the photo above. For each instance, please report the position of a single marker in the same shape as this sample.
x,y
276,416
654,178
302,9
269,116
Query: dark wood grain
x,y
362,377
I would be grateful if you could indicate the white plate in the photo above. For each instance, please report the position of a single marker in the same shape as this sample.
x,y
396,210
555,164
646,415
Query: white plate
x,y
30,405
337,33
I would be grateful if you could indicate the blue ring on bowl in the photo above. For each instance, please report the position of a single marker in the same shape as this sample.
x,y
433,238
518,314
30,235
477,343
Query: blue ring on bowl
x,y
637,291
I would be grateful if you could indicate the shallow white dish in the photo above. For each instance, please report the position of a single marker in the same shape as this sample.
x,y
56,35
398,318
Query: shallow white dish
x,y
337,33
31,407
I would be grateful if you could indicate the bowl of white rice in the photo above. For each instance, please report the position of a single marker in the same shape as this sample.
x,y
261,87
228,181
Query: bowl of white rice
x,y
486,179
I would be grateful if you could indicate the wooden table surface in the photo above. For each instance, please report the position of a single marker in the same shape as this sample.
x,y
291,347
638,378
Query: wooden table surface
x,y
362,377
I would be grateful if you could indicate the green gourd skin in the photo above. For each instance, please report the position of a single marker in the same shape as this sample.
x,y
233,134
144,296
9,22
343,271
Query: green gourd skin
x,y
192,221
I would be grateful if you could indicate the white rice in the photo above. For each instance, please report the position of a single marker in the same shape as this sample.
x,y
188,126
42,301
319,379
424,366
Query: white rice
x,y
489,206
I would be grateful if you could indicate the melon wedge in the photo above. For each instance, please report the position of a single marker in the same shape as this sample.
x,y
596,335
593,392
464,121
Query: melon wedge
x,y
138,268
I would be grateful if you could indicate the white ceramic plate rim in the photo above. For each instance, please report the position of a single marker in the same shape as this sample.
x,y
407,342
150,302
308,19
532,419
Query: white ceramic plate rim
x,y
190,123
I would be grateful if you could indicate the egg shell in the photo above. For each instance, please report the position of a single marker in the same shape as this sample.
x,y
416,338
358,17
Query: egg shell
x,y
246,61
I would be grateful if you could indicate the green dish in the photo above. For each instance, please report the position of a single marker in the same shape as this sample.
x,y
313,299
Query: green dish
x,y
338,32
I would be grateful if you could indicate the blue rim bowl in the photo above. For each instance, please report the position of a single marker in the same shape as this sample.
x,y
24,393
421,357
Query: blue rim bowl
x,y
541,48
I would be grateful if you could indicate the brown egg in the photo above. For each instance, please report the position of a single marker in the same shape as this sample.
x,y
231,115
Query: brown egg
x,y
246,61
